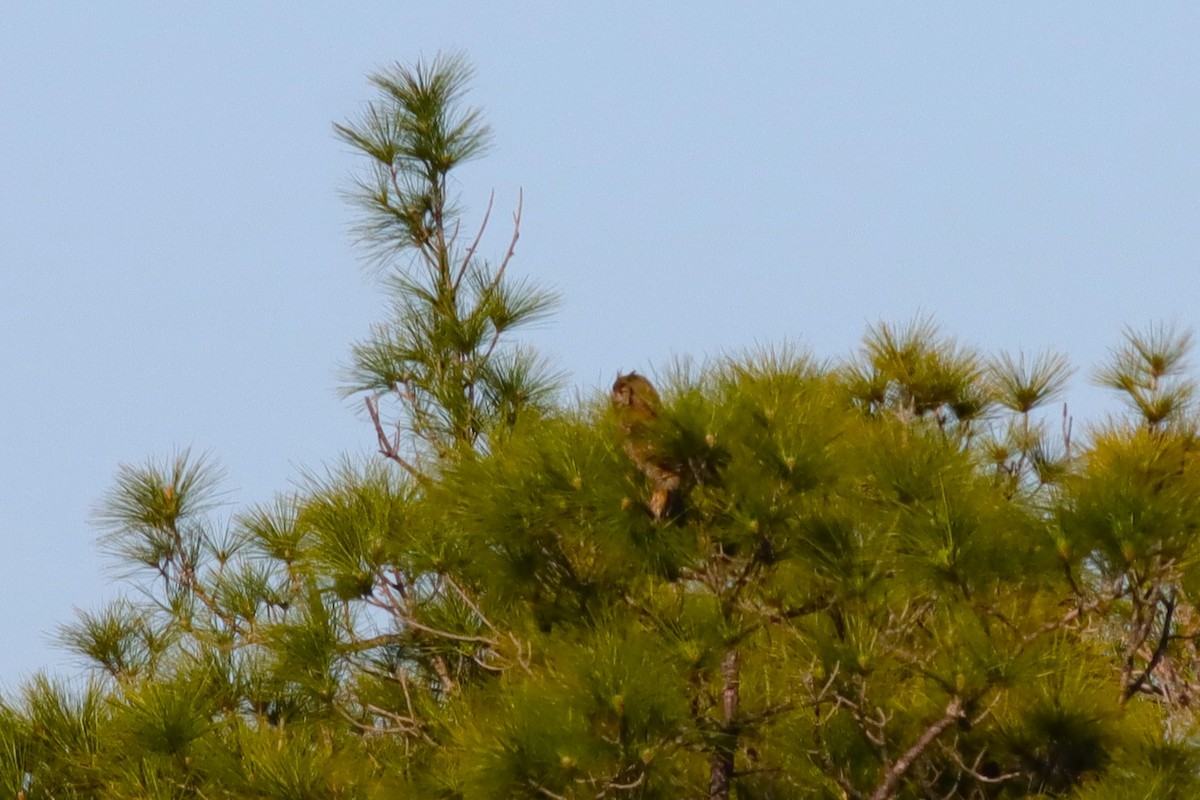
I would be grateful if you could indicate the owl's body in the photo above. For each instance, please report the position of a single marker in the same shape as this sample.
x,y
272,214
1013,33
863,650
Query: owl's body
x,y
637,405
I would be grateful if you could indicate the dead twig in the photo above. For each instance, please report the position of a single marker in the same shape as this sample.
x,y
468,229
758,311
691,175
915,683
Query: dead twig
x,y
390,448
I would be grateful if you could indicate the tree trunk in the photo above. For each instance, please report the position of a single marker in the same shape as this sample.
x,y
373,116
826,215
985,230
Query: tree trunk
x,y
720,781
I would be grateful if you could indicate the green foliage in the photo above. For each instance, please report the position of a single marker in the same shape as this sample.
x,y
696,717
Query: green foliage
x,y
882,578
846,604
1149,369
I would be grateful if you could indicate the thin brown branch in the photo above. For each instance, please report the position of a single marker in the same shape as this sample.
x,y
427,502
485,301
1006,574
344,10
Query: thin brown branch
x,y
819,696
384,639
388,448
470,603
1164,640
521,658
512,249
627,786
187,578
900,767
512,245
401,724
470,254
974,770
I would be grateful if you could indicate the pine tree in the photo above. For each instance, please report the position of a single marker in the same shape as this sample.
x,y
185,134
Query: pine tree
x,y
902,575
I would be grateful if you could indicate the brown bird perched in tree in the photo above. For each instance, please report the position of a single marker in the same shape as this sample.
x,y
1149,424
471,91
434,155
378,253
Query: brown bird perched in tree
x,y
637,405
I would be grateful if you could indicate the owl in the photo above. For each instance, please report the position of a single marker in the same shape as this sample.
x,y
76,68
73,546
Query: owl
x,y
637,404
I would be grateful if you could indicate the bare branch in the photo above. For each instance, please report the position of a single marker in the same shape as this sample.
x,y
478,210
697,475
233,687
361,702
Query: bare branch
x,y
1135,686
512,245
901,766
973,770
470,254
627,786
390,448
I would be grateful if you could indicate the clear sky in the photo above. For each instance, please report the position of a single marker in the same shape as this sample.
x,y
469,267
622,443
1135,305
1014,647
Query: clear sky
x,y
175,266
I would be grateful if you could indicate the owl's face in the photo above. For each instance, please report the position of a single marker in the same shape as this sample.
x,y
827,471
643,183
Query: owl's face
x,y
622,393
634,397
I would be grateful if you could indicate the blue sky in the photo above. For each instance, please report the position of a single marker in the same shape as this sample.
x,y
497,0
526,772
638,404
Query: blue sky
x,y
176,270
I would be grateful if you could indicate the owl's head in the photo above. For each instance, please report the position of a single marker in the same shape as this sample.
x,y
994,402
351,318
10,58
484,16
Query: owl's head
x,y
633,393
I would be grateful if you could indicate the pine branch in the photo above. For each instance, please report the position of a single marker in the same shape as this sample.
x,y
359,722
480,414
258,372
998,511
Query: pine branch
x,y
391,448
1164,640
900,767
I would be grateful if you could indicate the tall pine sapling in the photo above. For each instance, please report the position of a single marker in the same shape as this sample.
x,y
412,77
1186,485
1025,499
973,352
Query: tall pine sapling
x,y
444,359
